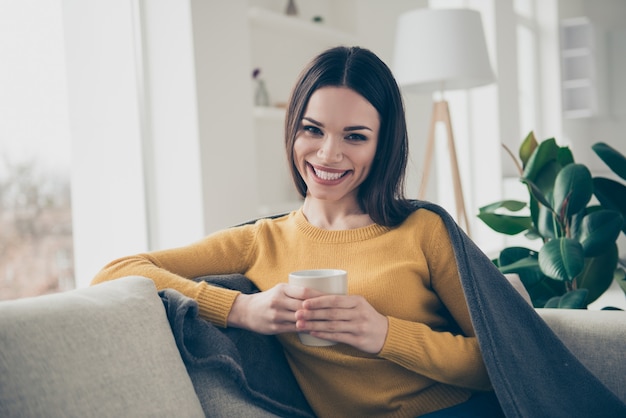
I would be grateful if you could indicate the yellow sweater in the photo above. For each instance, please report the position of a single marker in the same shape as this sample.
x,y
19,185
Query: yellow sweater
x,y
430,359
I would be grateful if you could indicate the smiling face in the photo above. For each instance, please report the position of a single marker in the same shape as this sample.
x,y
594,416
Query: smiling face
x,y
336,144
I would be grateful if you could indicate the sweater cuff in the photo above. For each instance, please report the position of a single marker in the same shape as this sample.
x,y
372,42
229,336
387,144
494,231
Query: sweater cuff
x,y
400,343
215,303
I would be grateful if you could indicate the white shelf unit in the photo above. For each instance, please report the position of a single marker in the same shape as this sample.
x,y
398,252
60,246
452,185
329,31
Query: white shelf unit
x,y
578,68
280,46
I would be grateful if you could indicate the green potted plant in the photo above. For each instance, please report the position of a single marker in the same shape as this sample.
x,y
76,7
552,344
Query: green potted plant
x,y
578,258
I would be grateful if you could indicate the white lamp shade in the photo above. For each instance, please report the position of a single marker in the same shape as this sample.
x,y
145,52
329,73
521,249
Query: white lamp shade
x,y
441,49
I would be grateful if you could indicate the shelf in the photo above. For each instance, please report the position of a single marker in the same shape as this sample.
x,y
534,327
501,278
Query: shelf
x,y
294,26
576,33
577,83
578,69
577,114
578,52
579,101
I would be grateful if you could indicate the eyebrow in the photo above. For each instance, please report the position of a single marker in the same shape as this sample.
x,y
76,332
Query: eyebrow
x,y
346,129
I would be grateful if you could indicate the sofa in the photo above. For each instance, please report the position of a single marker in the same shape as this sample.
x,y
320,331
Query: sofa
x,y
109,351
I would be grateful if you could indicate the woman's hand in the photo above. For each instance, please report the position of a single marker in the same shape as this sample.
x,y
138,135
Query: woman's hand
x,y
269,312
287,308
345,319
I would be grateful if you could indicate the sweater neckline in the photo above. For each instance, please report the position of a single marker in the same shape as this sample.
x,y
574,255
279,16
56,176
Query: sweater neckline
x,y
344,235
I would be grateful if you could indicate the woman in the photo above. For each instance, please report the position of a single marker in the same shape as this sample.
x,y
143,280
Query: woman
x,y
407,346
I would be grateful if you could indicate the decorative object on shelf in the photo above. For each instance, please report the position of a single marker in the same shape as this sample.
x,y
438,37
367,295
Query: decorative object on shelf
x,y
578,259
438,50
292,9
261,96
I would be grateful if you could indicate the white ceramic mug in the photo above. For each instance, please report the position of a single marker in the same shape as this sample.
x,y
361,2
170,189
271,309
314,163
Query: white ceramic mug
x,y
330,281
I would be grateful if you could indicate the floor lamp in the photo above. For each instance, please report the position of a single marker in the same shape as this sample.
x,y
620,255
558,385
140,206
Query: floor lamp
x,y
438,50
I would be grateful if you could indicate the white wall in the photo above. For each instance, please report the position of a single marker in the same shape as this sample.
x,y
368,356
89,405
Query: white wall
x,y
227,147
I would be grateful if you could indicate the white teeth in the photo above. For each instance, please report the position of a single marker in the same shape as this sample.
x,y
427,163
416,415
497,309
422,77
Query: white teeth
x,y
324,175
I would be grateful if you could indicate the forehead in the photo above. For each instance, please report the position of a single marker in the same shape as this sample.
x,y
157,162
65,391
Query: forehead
x,y
342,105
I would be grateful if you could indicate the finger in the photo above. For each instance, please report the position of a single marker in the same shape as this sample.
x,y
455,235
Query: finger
x,y
328,314
326,301
290,305
280,328
324,326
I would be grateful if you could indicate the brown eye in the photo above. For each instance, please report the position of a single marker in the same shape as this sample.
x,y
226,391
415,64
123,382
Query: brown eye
x,y
356,137
312,129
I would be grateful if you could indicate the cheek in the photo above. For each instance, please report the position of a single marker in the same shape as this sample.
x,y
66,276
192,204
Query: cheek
x,y
299,152
366,158
301,148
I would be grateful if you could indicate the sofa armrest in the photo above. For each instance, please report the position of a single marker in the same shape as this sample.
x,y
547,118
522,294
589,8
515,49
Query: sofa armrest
x,y
106,350
597,339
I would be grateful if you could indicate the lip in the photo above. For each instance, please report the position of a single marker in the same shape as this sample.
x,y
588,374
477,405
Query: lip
x,y
331,171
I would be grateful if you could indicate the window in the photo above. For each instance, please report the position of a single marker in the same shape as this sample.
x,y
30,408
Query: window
x,y
527,67
36,250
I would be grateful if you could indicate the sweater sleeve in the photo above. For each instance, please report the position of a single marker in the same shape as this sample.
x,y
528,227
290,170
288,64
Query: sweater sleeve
x,y
221,253
440,356
448,356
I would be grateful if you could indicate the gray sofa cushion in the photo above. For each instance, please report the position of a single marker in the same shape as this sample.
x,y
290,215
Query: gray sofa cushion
x,y
596,338
103,351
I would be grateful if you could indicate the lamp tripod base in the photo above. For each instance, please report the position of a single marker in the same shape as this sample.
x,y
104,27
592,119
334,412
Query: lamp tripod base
x,y
441,113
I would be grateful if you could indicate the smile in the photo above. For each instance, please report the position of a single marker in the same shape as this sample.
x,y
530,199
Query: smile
x,y
328,175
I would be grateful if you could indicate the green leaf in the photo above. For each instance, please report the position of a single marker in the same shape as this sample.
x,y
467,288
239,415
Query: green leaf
x,y
511,205
573,189
599,230
564,156
520,266
523,261
545,223
536,192
562,259
528,146
611,157
545,153
506,224
512,254
575,299
544,180
545,163
620,278
545,290
576,222
534,211
502,223
598,273
611,195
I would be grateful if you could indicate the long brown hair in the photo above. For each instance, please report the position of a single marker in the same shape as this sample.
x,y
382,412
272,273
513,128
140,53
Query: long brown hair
x,y
382,194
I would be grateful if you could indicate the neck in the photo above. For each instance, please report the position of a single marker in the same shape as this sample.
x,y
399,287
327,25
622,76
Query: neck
x,y
334,215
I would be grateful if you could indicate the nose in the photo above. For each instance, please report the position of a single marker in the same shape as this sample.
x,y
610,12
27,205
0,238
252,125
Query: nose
x,y
330,149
